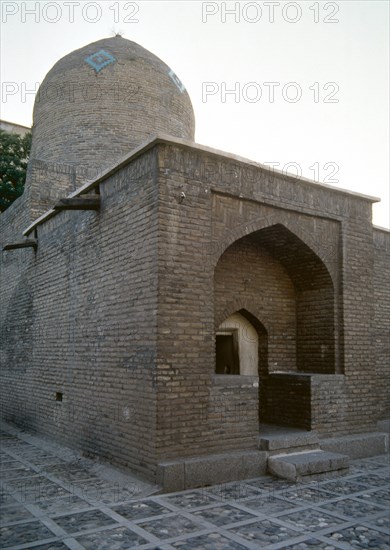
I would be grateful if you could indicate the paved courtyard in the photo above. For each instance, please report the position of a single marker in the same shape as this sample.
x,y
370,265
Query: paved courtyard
x,y
50,499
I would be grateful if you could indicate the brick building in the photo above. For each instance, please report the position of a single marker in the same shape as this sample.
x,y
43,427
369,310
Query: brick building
x,y
161,300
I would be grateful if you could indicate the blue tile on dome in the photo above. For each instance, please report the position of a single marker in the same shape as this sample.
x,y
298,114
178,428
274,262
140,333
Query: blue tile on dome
x,y
99,60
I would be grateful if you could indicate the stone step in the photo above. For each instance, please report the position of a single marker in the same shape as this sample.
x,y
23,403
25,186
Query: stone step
x,y
288,441
308,465
294,450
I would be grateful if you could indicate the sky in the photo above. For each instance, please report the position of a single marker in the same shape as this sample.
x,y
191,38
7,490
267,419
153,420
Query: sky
x,y
303,86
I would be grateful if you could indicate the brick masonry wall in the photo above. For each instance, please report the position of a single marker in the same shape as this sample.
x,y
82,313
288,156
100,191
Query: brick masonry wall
x,y
185,315
46,184
359,355
312,402
92,297
381,328
16,294
329,403
285,399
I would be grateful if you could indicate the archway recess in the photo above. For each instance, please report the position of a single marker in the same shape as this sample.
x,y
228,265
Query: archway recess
x,y
290,293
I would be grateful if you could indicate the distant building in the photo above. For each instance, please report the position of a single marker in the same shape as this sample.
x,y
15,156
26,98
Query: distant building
x,y
13,128
170,298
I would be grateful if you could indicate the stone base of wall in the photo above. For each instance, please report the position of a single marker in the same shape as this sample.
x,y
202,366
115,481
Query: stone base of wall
x,y
358,446
202,471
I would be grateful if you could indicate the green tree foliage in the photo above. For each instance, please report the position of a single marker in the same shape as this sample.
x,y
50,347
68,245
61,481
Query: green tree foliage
x,y
14,153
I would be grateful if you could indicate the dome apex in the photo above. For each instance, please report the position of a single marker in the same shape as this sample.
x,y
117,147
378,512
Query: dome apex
x,y
101,101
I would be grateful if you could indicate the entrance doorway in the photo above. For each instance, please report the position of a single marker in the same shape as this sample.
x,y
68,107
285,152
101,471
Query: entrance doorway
x,y
227,360
237,346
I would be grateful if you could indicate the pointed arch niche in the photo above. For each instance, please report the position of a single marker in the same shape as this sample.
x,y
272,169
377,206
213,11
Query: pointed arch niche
x,y
274,293
290,294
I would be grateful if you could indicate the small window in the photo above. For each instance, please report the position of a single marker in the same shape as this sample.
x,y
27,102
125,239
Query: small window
x,y
227,358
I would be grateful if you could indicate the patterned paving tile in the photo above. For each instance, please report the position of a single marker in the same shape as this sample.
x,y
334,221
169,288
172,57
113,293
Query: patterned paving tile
x,y
373,458
232,491
383,472
35,490
362,537
191,500
381,459
223,515
15,446
269,505
141,509
17,474
100,491
10,514
40,458
311,520
30,477
23,533
83,521
47,491
265,532
269,484
380,496
10,465
62,505
310,544
349,507
5,457
70,473
382,522
373,480
6,498
343,487
211,541
173,527
307,494
294,514
120,538
36,451
365,467
6,435
52,546
42,462
32,480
